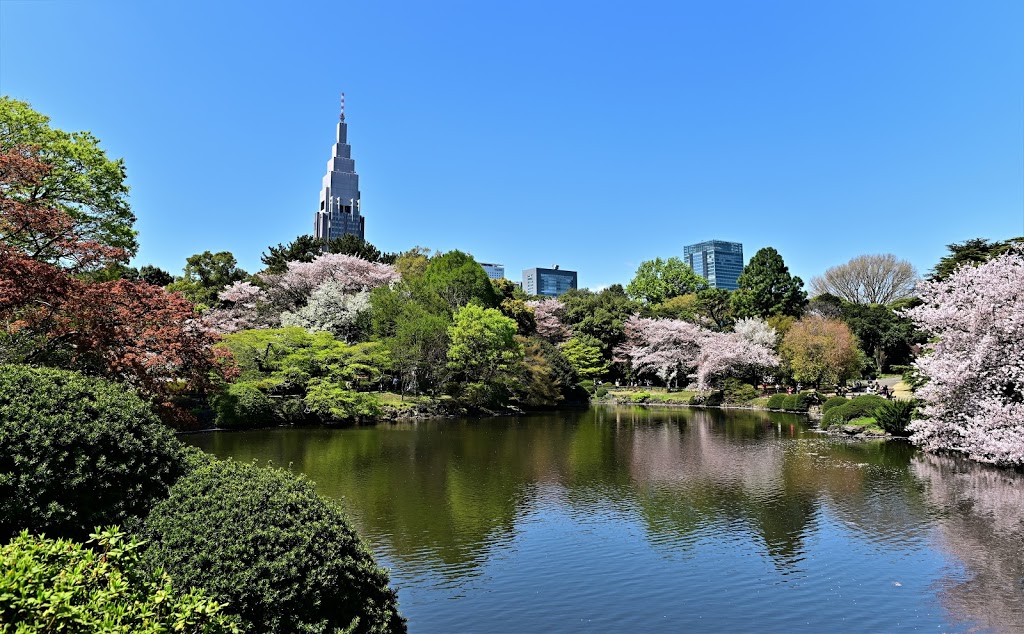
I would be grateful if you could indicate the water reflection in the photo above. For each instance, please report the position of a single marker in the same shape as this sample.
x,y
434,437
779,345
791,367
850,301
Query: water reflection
x,y
453,501
981,512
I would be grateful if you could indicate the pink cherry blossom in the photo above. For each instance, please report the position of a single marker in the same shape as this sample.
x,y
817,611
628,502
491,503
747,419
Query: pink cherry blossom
x,y
974,398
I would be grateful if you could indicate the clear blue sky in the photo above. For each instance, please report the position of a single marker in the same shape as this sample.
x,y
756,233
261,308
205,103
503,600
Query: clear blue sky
x,y
592,134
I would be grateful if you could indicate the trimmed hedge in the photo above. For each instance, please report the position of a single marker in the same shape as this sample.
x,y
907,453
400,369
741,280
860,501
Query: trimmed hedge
x,y
795,403
776,401
77,453
63,586
835,401
283,558
857,407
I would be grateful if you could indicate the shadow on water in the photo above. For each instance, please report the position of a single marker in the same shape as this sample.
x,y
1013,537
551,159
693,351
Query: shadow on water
x,y
442,499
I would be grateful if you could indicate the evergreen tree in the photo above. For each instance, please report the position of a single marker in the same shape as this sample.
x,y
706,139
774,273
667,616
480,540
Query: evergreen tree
x,y
766,288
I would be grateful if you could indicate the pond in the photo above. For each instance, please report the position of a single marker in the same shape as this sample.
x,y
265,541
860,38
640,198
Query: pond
x,y
666,520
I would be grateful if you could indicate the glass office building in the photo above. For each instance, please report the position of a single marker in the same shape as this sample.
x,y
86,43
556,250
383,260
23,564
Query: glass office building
x,y
548,282
717,261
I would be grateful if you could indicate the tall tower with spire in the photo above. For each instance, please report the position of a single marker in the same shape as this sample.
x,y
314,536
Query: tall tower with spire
x,y
340,213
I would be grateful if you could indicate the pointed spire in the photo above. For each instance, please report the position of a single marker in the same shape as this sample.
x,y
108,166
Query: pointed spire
x,y
342,116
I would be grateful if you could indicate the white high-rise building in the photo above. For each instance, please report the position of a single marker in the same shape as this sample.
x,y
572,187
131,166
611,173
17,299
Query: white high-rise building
x,y
494,271
340,212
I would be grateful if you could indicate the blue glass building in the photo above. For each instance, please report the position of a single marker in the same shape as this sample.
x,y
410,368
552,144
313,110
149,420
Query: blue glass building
x,y
717,261
548,282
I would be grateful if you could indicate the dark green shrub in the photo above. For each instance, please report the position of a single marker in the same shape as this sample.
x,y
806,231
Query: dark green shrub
x,y
795,403
894,416
64,586
587,385
282,557
776,401
714,399
601,392
736,391
835,401
77,453
243,405
863,405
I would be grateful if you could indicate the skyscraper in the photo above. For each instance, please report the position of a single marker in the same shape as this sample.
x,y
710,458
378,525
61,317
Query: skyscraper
x,y
717,261
548,282
340,211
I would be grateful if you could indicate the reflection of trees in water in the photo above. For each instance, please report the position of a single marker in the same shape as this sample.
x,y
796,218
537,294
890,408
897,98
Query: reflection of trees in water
x,y
982,525
711,472
440,496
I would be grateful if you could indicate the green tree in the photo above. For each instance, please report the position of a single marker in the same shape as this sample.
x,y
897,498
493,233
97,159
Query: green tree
x,y
456,278
714,305
584,353
659,280
483,344
972,252
306,248
599,315
413,263
155,275
63,586
767,289
207,274
81,180
302,249
299,376
884,335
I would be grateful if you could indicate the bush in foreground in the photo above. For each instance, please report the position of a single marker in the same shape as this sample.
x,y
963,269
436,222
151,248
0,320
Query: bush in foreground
x,y
59,585
776,401
284,558
78,452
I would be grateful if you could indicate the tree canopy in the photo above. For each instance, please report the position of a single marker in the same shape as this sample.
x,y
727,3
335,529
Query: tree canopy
x,y
766,288
80,180
972,252
659,280
868,279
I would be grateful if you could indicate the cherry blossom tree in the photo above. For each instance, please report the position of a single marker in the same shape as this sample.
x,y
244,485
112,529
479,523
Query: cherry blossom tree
x,y
974,398
548,314
731,354
247,306
351,274
666,347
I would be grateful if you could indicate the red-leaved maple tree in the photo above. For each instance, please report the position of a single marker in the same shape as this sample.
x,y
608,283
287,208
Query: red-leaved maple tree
x,y
50,314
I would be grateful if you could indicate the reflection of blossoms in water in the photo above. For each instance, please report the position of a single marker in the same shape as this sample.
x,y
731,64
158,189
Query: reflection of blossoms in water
x,y
983,527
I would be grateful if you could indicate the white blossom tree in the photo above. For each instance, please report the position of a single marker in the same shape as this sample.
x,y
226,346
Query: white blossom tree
x,y
974,397
333,310
757,331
